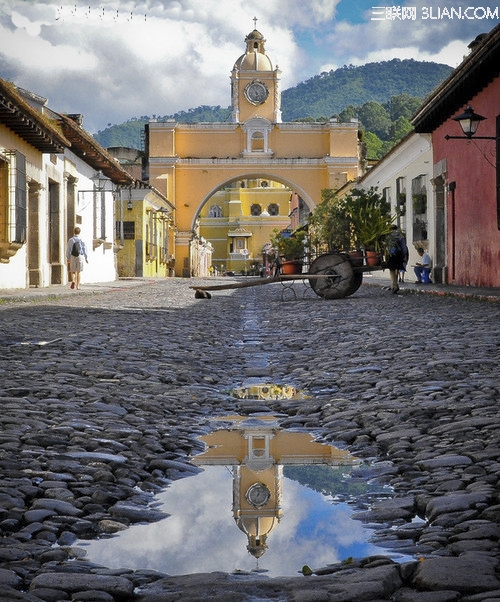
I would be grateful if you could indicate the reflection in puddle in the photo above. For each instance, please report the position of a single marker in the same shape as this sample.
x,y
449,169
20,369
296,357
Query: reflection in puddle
x,y
265,391
263,494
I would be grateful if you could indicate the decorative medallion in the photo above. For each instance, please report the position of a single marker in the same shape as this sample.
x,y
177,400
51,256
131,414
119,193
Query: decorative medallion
x,y
256,92
258,495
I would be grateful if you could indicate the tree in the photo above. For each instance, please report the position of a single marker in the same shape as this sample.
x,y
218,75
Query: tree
x,y
347,114
329,224
374,146
399,129
402,105
375,118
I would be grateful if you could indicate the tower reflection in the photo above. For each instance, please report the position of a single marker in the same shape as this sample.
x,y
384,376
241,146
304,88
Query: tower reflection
x,y
255,451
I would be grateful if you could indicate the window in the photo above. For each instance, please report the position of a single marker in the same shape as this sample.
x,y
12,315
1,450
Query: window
x,y
13,198
273,209
54,220
257,132
257,141
20,198
215,211
4,199
128,230
419,199
255,210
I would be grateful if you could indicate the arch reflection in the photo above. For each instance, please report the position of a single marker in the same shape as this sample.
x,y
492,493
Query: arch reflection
x,y
256,450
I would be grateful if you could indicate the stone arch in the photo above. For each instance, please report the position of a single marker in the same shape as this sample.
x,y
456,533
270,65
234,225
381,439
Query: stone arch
x,y
253,175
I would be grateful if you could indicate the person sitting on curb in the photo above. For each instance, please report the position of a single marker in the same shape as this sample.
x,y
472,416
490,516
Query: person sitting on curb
x,y
423,268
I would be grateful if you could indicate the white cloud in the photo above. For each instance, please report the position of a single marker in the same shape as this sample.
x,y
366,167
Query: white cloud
x,y
112,59
35,54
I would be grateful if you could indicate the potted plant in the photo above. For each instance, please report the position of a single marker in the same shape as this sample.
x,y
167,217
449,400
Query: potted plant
x,y
371,223
420,203
290,246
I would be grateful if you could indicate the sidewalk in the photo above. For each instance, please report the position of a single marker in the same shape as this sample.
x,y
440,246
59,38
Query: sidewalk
x,y
442,290
20,295
34,294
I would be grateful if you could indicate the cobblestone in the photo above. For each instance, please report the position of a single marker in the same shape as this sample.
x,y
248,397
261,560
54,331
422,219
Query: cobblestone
x,y
105,392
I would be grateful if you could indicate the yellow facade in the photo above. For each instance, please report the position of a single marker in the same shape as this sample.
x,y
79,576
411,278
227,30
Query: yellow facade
x,y
147,236
239,219
190,163
257,450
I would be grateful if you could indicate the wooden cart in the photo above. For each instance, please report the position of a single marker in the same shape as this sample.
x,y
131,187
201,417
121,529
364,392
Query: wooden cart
x,y
330,276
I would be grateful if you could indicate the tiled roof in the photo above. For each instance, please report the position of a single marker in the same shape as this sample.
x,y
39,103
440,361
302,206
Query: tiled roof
x,y
475,72
28,123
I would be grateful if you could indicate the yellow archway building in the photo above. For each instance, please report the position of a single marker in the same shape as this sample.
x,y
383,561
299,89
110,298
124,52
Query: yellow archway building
x,y
192,162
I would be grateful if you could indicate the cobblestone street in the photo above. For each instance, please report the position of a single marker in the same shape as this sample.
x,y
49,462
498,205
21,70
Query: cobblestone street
x,y
104,395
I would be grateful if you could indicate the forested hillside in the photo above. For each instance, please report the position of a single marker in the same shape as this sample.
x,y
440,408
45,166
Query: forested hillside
x,y
383,96
329,93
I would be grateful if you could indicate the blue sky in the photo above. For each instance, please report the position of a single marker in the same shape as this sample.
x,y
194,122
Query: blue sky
x,y
115,59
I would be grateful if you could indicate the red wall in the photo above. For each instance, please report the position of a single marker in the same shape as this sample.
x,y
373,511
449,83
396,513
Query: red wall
x,y
473,238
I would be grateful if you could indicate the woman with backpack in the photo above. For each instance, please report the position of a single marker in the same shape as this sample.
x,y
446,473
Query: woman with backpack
x,y
397,256
76,254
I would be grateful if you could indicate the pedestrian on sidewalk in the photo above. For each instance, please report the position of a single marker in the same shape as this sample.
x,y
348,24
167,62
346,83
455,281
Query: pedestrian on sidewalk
x,y
423,268
397,256
76,255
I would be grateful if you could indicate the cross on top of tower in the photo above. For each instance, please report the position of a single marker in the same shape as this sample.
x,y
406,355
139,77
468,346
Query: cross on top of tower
x,y
255,22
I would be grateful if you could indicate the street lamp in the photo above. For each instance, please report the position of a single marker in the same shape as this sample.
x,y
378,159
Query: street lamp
x,y
101,181
469,122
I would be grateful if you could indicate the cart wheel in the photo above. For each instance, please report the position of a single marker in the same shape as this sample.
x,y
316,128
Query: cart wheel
x,y
357,282
341,277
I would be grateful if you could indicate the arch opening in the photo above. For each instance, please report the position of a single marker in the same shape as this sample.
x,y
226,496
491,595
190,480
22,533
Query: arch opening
x,y
239,217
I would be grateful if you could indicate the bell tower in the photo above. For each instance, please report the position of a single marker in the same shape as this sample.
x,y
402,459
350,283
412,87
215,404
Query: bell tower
x,y
255,85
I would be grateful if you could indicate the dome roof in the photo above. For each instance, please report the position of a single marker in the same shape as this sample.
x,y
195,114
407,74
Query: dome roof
x,y
255,35
253,61
255,57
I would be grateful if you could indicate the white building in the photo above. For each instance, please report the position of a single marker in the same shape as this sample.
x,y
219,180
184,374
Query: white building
x,y
404,177
53,176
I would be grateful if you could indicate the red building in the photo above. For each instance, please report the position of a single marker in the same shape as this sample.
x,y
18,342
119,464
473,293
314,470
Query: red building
x,y
466,176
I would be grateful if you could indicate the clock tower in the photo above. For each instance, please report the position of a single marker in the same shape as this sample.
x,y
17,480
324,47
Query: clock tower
x,y
255,90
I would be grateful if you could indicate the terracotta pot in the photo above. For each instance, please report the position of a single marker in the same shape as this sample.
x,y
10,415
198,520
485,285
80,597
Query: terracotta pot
x,y
356,258
373,258
291,267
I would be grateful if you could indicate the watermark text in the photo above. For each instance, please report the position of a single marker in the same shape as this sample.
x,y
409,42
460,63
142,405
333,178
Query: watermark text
x,y
434,13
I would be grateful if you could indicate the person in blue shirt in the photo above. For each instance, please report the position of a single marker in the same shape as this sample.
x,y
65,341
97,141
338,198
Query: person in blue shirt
x,y
76,255
423,268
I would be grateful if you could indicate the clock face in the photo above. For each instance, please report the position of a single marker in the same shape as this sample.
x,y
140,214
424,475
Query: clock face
x,y
258,495
256,93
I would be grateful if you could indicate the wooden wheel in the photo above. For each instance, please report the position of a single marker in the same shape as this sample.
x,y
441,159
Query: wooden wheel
x,y
357,282
341,281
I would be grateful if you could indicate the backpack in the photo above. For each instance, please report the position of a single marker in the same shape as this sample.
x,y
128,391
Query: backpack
x,y
76,251
396,248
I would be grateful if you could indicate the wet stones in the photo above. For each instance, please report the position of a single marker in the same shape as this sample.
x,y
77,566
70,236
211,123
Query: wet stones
x,y
95,423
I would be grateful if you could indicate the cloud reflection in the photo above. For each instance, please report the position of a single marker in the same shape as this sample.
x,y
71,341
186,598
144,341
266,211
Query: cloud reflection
x,y
201,534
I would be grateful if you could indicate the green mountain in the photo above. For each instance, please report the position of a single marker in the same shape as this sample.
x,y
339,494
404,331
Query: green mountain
x,y
383,96
329,93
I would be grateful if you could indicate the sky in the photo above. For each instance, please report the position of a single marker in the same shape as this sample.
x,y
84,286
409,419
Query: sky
x,y
113,60
201,536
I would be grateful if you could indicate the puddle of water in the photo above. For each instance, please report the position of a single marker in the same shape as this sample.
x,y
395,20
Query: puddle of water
x,y
265,391
267,500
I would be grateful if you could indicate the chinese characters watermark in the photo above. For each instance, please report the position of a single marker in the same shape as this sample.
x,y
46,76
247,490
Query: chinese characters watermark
x,y
410,13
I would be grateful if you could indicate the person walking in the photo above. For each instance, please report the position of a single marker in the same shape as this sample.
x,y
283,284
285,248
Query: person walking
x,y
76,254
397,256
